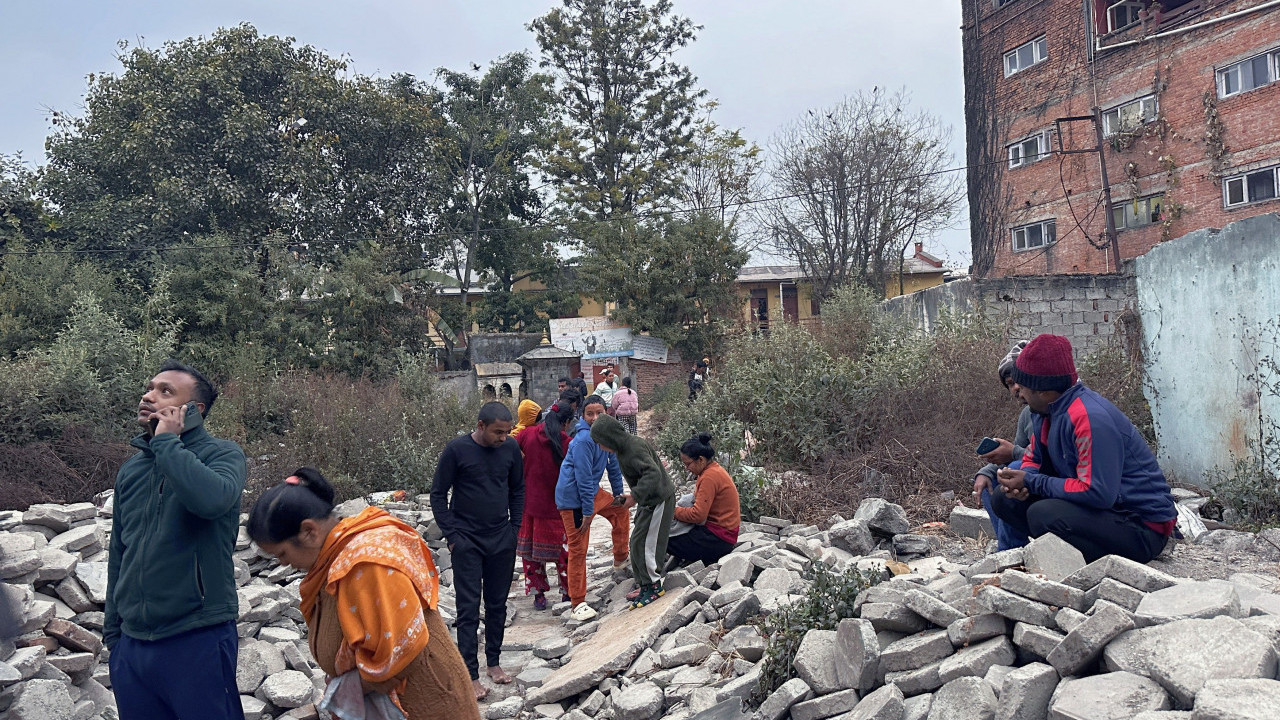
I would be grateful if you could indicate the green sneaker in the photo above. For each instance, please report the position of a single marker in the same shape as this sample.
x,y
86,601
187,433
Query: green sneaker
x,y
648,594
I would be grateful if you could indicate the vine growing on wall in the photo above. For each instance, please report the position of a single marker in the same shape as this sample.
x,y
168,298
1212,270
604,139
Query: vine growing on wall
x,y
1215,136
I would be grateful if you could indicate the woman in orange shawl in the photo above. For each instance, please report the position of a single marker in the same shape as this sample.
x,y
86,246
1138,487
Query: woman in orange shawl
x,y
369,597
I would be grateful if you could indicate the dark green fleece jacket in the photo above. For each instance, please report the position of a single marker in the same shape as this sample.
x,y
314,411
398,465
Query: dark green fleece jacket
x,y
177,512
639,462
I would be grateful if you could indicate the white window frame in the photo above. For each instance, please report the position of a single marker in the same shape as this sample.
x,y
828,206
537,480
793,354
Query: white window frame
x,y
1148,109
1112,27
1124,207
1241,181
1237,70
1048,235
1019,157
1039,53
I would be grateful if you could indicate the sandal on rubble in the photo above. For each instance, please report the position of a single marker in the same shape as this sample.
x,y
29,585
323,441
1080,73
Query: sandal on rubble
x,y
648,594
540,602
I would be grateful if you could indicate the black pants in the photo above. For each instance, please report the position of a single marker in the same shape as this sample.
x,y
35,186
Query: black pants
x,y
1095,533
192,675
482,566
698,544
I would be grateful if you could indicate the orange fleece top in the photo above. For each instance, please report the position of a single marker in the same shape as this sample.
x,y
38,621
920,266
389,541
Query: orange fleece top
x,y
715,502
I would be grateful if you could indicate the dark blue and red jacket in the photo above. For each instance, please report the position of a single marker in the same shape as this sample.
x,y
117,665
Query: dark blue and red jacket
x,y
1106,463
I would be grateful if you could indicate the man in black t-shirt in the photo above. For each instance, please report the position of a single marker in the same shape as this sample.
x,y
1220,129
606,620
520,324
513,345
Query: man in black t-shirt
x,y
477,497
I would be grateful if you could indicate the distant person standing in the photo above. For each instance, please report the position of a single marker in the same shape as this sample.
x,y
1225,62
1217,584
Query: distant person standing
x,y
606,389
171,591
697,379
626,405
477,497
580,383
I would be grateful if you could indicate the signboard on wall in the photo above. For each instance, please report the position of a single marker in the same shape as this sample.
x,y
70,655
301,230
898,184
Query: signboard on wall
x,y
593,337
649,348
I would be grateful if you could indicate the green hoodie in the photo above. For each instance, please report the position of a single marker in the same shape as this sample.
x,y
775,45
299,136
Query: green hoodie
x,y
177,513
638,460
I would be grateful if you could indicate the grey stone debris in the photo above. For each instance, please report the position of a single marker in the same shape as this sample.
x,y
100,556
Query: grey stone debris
x,y
288,689
853,536
908,545
916,651
1112,696
1114,591
1082,645
883,704
1026,692
503,709
735,567
917,708
971,523
1233,699
825,706
883,517
1014,607
1052,557
976,628
1036,640
858,653
1039,589
745,640
42,700
891,616
966,698
975,660
1137,575
816,663
1184,654
775,706
642,701
914,682
1190,600
551,647
931,608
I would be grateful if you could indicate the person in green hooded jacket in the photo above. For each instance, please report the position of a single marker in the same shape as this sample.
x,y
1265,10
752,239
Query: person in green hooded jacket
x,y
171,606
655,500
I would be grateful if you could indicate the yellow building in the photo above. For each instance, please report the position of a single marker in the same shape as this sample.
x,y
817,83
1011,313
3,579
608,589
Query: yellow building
x,y
774,293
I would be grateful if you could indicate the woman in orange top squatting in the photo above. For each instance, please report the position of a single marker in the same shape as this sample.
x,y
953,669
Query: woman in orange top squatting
x,y
369,597
716,512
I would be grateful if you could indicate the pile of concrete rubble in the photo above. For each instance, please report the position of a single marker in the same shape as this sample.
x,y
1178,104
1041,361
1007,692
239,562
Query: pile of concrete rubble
x,y
1029,633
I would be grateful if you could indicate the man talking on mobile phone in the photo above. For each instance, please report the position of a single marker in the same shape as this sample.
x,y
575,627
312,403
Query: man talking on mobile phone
x,y
171,592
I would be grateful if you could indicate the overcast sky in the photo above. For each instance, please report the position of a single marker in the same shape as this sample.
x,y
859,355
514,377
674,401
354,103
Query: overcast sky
x,y
766,61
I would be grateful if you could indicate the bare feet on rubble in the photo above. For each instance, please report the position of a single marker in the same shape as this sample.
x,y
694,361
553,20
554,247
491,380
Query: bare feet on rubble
x,y
480,690
498,675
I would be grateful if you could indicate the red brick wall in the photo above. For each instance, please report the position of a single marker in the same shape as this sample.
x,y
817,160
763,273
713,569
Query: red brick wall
x,y
1174,158
649,376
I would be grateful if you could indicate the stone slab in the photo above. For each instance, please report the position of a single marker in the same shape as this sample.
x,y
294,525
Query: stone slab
x,y
1112,696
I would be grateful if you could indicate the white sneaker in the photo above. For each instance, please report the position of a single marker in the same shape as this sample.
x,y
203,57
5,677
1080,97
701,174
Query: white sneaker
x,y
582,612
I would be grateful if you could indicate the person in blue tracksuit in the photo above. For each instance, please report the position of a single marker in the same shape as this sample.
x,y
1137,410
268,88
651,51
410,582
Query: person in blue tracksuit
x,y
1087,476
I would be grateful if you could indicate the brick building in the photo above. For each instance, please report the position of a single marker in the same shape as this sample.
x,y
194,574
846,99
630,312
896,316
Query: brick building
x,y
1184,93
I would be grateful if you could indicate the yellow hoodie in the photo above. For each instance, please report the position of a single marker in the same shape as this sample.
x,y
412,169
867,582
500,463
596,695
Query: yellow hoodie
x,y
526,416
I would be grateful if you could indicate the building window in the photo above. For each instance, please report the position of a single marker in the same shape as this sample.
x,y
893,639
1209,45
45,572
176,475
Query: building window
x,y
1138,212
1024,56
1249,74
1035,235
1123,15
1027,151
1129,116
1252,187
1000,3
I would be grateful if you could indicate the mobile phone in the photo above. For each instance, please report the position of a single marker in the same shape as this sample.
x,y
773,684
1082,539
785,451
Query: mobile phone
x,y
987,445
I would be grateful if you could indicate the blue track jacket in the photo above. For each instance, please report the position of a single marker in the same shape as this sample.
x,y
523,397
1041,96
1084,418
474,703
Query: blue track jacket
x,y
581,470
1110,465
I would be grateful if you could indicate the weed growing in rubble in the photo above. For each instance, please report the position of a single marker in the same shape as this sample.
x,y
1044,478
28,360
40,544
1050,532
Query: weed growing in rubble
x,y
828,600
1251,487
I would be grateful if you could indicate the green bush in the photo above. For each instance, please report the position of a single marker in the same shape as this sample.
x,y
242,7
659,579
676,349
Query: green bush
x,y
828,599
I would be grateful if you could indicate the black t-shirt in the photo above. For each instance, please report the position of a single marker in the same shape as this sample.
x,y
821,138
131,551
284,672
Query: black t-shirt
x,y
487,487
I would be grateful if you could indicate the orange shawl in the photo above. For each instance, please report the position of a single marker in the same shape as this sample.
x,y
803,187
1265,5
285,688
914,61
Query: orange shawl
x,y
383,576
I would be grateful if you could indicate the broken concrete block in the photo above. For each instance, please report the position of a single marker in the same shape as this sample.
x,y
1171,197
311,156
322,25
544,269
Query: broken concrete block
x,y
1036,640
975,660
1232,699
971,523
1026,692
858,653
977,628
1190,600
883,704
825,706
1015,607
746,641
1084,644
917,708
994,563
853,536
1137,575
891,616
1046,591
1052,557
1112,696
914,682
816,662
965,698
775,706
1067,619
642,701
916,651
735,567
931,608
1114,591
1088,577
883,517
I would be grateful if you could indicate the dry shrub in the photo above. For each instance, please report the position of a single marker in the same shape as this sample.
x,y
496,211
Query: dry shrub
x,y
70,469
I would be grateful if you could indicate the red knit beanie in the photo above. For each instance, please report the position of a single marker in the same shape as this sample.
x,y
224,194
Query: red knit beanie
x,y
1045,364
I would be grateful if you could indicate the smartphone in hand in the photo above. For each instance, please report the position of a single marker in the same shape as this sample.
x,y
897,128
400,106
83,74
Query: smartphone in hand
x,y
987,445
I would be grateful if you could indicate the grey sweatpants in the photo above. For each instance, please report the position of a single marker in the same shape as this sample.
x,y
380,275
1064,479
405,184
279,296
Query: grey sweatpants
x,y
649,532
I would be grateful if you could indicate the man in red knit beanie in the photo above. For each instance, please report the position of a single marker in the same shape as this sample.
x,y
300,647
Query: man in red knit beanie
x,y
1087,476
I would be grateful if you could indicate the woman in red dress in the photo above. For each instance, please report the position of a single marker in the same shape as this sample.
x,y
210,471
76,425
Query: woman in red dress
x,y
542,537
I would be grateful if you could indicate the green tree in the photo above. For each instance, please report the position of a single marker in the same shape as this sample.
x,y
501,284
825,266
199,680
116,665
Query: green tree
x,y
628,105
720,175
530,254
22,215
246,135
493,127
673,278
